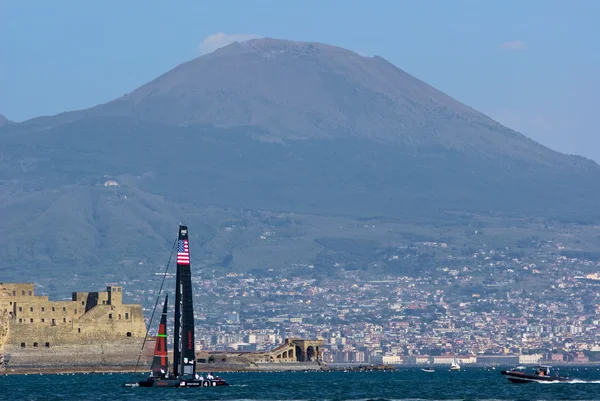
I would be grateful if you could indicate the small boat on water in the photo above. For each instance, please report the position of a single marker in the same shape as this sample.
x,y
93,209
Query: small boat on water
x,y
541,375
455,365
428,370
184,365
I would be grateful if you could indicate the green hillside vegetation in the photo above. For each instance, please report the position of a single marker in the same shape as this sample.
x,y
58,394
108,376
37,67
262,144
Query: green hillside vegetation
x,y
279,155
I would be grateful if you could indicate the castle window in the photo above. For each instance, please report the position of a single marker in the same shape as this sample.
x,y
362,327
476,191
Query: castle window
x,y
53,309
20,309
64,308
114,290
42,320
31,309
119,316
14,293
20,320
110,315
103,302
31,320
23,293
79,329
43,309
64,320
47,345
118,290
82,302
129,334
126,315
53,322
30,294
35,344
22,345
11,302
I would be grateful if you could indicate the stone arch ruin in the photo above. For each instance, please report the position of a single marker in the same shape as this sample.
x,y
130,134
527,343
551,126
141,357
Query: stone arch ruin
x,y
297,350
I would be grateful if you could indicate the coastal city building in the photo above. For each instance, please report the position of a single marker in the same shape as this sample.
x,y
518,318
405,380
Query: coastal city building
x,y
487,307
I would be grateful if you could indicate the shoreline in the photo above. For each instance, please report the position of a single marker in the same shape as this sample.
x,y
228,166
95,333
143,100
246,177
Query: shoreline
x,y
200,369
335,367
69,370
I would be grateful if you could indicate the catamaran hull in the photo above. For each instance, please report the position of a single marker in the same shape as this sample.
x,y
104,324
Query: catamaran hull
x,y
518,377
177,383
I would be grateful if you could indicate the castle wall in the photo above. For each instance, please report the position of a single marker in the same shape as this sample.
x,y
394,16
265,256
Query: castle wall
x,y
3,329
17,290
124,352
3,337
42,311
10,293
88,300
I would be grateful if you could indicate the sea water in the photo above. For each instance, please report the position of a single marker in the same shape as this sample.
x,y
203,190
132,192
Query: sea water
x,y
402,384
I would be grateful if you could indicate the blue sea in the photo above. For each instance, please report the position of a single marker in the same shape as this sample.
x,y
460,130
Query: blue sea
x,y
402,384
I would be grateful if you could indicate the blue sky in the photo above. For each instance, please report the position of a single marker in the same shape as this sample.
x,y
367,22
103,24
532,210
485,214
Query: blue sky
x,y
531,64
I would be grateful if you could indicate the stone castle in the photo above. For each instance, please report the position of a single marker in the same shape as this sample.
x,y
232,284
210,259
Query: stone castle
x,y
93,327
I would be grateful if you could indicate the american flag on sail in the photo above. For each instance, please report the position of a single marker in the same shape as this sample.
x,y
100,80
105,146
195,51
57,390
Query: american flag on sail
x,y
183,252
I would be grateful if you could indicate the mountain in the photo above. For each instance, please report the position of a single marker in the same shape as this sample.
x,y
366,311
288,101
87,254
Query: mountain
x,y
257,129
295,90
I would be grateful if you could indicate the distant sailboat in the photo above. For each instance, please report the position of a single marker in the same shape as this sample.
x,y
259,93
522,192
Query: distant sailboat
x,y
455,365
184,355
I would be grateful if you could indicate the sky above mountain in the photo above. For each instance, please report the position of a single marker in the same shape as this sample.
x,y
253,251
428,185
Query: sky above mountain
x,y
530,65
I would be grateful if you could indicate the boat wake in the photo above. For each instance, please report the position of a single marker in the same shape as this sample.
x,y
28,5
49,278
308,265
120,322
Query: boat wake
x,y
574,381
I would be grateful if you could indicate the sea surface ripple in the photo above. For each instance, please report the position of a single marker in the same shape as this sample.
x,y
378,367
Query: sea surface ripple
x,y
470,384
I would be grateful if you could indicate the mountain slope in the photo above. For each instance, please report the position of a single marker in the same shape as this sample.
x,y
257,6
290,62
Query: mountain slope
x,y
298,90
3,120
267,125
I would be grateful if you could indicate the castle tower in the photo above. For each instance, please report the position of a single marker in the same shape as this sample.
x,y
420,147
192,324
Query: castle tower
x,y
115,295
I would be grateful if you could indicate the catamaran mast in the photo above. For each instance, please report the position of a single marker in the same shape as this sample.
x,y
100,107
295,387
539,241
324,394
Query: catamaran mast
x,y
184,355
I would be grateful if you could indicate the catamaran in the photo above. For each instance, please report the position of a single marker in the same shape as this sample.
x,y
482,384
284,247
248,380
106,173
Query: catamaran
x,y
184,356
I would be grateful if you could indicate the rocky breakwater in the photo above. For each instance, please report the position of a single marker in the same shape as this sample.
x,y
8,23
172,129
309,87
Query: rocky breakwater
x,y
361,368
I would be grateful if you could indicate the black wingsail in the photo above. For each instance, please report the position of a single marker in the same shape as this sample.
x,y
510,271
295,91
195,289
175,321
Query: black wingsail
x,y
184,354
160,362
